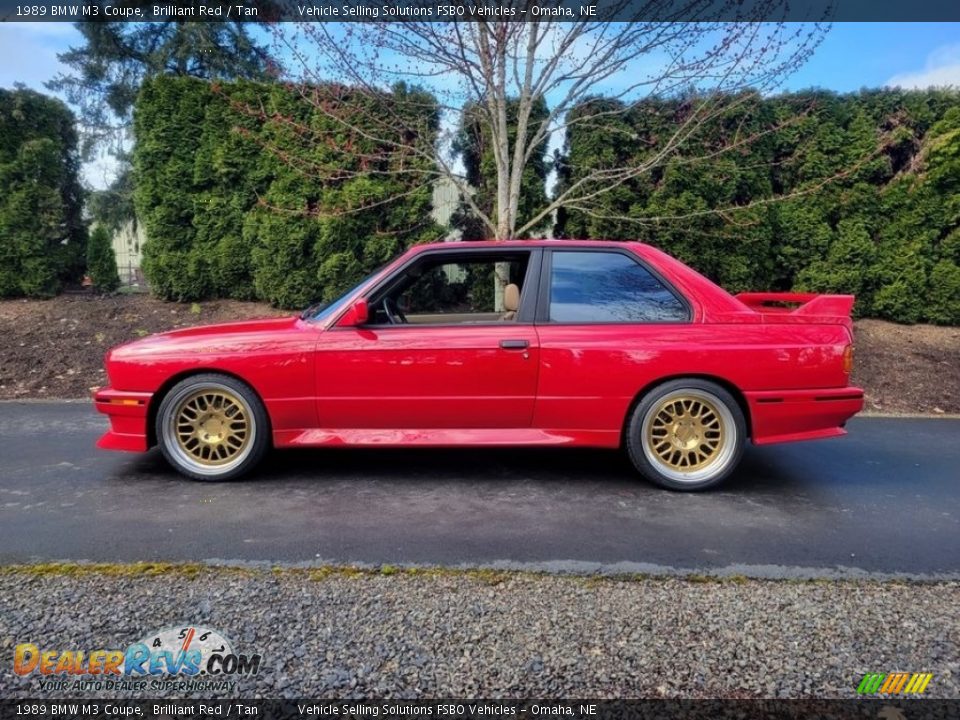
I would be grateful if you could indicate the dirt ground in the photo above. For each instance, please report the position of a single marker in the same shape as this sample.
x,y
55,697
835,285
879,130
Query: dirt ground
x,y
54,348
908,368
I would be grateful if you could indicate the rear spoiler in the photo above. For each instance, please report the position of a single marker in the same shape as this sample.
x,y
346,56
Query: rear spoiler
x,y
806,303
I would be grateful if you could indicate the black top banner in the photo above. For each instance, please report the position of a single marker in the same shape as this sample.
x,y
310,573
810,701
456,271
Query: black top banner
x,y
466,10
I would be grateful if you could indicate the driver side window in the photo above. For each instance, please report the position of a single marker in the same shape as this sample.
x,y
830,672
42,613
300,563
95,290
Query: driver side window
x,y
455,291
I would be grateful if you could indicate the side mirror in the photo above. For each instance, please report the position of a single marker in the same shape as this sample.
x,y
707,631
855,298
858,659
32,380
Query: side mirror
x,y
357,314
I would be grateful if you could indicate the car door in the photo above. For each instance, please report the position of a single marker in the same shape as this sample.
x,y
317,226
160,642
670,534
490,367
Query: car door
x,y
473,367
608,324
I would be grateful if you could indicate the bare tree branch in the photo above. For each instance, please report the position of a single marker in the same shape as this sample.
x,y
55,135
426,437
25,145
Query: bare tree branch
x,y
490,64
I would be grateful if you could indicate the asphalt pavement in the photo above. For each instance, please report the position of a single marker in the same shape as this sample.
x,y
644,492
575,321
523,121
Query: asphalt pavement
x,y
883,501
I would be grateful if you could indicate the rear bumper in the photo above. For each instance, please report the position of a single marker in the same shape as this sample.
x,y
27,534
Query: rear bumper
x,y
128,419
791,415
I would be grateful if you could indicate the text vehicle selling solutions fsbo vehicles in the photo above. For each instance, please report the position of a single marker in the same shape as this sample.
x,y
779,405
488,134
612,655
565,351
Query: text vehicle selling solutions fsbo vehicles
x,y
515,343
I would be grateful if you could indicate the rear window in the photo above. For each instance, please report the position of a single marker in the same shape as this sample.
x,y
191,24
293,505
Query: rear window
x,y
592,286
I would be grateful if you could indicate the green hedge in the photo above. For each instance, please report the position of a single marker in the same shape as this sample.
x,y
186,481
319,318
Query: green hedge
x,y
888,230
42,236
228,188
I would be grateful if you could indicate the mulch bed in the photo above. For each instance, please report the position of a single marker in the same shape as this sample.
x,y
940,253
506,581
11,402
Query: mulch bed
x,y
55,348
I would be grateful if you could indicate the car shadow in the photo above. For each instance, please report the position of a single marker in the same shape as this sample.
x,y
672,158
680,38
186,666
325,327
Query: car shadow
x,y
761,471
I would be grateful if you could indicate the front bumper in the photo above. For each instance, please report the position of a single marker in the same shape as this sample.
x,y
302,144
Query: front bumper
x,y
128,419
790,415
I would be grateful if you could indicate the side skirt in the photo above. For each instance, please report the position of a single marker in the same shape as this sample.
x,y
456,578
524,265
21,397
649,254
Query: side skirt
x,y
445,437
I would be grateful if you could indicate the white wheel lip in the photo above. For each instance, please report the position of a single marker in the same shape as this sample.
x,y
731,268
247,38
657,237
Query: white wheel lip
x,y
169,437
723,459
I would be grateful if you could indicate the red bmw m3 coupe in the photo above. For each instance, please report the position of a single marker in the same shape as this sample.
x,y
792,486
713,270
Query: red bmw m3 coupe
x,y
514,343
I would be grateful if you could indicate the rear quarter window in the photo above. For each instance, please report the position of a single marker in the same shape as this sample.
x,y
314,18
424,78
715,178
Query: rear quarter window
x,y
593,286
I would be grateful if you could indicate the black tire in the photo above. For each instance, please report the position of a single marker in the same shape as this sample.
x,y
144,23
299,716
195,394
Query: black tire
x,y
686,434
222,442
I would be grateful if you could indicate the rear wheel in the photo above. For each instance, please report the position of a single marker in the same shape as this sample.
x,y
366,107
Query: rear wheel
x,y
686,434
212,427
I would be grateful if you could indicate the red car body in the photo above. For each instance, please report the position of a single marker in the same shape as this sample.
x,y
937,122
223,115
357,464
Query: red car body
x,y
340,383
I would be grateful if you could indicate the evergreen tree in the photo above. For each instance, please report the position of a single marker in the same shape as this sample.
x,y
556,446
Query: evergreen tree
x,y
42,236
102,261
107,70
855,193
116,57
229,211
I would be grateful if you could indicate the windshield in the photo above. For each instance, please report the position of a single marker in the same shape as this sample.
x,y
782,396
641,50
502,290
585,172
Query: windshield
x,y
322,310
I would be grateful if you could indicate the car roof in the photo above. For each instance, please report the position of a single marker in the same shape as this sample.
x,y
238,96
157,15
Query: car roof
x,y
540,242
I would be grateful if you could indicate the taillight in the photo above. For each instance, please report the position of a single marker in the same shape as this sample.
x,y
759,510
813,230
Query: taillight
x,y
848,359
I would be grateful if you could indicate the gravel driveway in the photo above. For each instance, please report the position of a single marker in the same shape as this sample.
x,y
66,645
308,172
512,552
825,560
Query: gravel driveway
x,y
408,634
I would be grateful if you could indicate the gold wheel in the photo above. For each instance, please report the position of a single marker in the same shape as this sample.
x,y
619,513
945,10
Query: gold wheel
x,y
212,426
686,433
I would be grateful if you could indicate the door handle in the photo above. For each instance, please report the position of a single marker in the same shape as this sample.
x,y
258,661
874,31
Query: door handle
x,y
514,344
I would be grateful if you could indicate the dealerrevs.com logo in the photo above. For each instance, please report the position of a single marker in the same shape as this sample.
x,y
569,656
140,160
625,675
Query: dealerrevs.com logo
x,y
181,658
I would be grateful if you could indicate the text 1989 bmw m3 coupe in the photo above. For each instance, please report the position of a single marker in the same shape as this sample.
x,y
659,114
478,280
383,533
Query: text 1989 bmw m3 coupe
x,y
578,343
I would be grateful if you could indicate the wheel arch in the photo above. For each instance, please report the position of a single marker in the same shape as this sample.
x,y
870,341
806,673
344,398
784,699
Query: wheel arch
x,y
736,392
157,399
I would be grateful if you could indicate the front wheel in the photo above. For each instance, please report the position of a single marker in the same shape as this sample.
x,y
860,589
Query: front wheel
x,y
686,435
212,427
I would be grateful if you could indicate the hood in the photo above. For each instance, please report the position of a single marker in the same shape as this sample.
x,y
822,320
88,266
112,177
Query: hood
x,y
211,339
